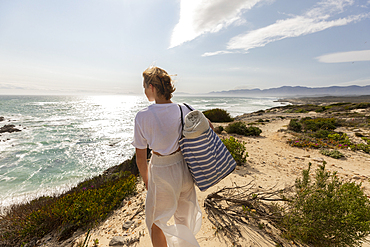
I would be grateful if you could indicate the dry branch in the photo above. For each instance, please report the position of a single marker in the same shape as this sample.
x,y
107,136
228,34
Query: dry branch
x,y
231,208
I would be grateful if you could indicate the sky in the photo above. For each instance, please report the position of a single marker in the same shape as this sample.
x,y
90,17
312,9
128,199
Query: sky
x,y
103,46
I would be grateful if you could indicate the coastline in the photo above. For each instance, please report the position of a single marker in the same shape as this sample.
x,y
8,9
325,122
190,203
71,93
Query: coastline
x,y
66,139
325,100
271,163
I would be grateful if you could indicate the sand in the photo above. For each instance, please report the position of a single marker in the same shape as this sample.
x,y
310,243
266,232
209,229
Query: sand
x,y
271,162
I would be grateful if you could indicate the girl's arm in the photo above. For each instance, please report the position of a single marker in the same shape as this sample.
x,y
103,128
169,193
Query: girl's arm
x,y
141,162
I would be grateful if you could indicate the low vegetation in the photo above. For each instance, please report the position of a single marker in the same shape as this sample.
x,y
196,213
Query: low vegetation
x,y
83,206
301,108
241,129
327,211
332,153
320,133
312,124
237,149
218,115
336,107
319,210
295,125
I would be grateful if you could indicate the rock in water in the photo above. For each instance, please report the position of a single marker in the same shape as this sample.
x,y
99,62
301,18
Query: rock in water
x,y
9,128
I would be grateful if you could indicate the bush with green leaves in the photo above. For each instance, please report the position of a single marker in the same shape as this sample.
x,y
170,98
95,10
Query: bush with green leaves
x,y
253,131
327,211
315,124
218,115
362,105
332,153
237,149
366,139
322,133
363,147
241,129
294,125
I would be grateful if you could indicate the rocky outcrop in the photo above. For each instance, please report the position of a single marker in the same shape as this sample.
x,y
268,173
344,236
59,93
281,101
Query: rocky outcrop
x,y
9,128
2,119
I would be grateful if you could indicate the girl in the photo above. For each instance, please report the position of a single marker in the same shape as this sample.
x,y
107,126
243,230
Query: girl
x,y
169,183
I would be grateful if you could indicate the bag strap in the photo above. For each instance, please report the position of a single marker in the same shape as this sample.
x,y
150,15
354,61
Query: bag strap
x,y
182,118
188,107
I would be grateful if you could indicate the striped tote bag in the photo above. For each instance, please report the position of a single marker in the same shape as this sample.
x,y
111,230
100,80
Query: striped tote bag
x,y
207,157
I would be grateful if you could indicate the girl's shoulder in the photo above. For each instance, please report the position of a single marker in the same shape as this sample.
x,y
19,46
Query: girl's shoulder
x,y
142,113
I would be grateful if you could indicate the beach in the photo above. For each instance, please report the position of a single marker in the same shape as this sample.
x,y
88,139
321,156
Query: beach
x,y
272,162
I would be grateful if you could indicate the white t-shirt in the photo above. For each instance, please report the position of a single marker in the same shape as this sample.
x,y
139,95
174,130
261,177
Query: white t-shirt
x,y
159,126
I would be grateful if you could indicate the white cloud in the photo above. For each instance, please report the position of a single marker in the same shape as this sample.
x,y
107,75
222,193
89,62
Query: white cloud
x,y
315,20
294,27
343,57
208,54
204,16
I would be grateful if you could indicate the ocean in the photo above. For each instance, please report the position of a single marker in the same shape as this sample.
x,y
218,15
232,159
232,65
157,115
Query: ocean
x,y
66,139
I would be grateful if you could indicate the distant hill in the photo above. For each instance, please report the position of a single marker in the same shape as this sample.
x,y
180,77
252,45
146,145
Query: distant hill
x,y
299,91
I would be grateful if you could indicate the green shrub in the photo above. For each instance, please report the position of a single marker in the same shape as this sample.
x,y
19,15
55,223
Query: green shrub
x,y
294,125
218,115
241,129
332,153
327,212
339,104
237,149
366,139
237,128
300,110
310,124
322,109
322,133
363,147
338,136
362,105
253,131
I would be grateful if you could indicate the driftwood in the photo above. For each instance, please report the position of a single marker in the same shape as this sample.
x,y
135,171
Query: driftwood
x,y
232,208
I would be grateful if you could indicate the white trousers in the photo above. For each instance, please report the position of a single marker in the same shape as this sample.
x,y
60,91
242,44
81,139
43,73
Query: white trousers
x,y
171,192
